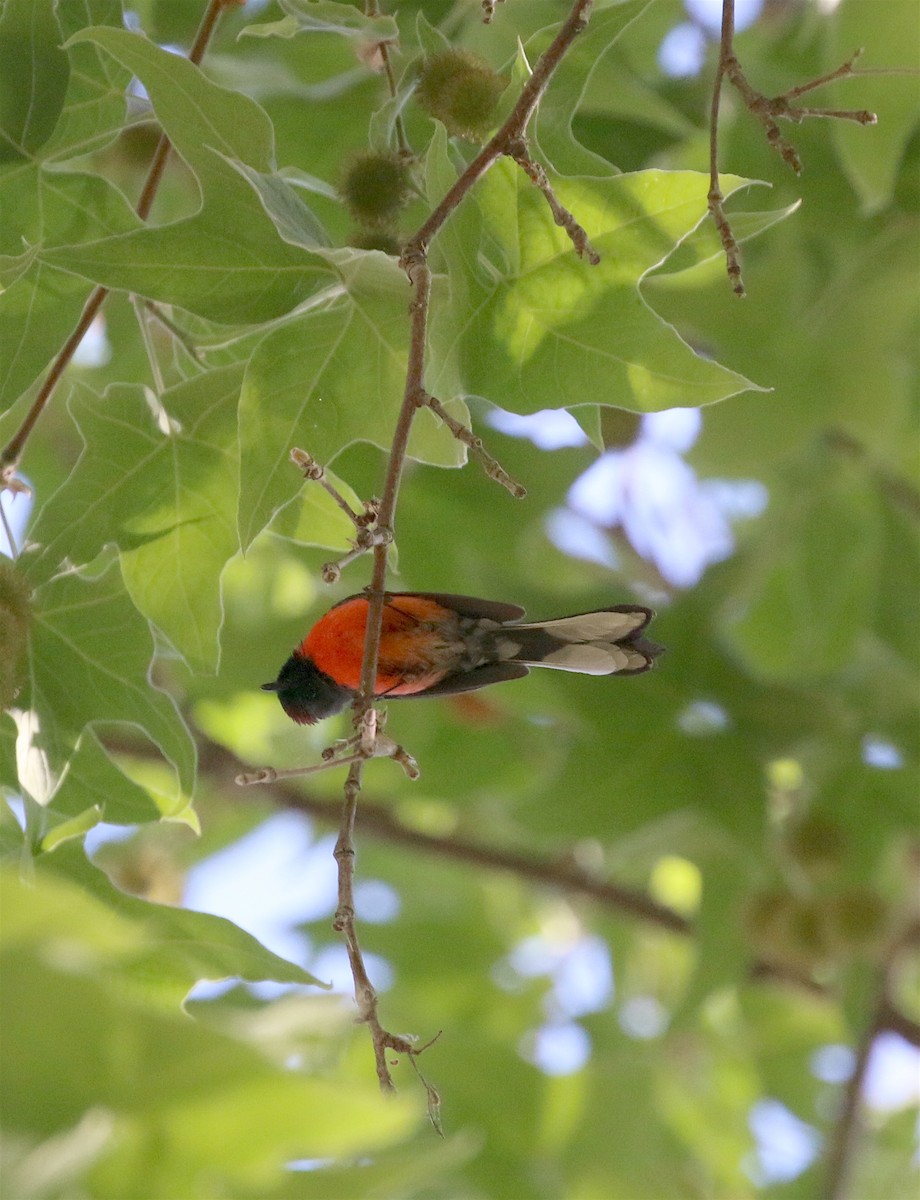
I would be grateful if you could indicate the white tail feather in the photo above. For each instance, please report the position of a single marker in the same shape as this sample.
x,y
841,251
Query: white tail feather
x,y
592,658
592,627
594,643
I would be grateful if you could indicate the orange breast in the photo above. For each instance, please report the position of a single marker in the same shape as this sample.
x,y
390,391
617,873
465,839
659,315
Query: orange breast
x,y
415,644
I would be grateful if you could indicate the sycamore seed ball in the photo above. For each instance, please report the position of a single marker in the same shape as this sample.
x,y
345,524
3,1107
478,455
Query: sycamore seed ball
x,y
376,188
462,91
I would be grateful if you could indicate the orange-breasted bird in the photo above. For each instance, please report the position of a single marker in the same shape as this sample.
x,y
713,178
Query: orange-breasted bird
x,y
435,644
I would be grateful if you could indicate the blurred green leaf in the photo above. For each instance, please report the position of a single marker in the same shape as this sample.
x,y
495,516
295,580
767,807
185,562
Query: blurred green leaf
x,y
872,156
171,948
205,1097
33,76
325,16
805,591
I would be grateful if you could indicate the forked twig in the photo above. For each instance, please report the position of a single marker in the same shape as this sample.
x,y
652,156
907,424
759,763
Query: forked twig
x,y
768,111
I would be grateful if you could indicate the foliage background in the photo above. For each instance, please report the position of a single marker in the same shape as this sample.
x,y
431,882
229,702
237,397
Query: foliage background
x,y
175,559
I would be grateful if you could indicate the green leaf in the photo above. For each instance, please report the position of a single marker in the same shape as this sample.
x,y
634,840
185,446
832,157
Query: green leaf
x,y
807,585
40,307
33,76
325,16
92,784
553,124
533,326
161,484
90,1034
55,207
162,948
94,106
203,1096
314,518
872,157
226,263
89,656
196,114
37,313
326,379
294,221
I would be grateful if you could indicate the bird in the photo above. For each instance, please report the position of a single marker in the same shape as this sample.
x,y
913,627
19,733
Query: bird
x,y
440,644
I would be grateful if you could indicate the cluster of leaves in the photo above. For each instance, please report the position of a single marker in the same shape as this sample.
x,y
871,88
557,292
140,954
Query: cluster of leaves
x,y
173,561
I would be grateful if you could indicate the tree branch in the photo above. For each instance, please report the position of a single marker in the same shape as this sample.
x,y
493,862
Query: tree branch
x,y
885,1017
415,263
377,820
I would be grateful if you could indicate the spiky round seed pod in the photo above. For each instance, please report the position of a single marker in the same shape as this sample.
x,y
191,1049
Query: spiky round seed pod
x,y
15,620
376,188
461,90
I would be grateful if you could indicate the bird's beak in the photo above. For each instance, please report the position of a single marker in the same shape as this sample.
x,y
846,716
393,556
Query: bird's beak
x,y
274,686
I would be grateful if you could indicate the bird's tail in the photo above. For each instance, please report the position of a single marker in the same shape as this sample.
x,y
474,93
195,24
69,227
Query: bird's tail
x,y
606,642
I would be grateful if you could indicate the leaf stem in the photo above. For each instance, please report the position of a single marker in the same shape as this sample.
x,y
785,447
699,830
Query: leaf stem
x,y
372,9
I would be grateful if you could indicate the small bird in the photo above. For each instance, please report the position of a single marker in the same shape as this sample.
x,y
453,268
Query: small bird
x,y
436,644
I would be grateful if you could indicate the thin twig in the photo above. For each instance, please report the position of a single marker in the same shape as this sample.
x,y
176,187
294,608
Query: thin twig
x,y
269,775
372,9
12,452
314,471
844,1140
490,465
514,127
8,531
768,110
715,198
369,534
519,152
